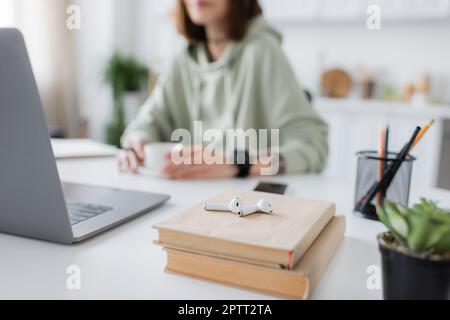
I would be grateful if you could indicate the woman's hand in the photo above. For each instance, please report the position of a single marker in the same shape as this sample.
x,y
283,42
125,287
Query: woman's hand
x,y
202,171
133,156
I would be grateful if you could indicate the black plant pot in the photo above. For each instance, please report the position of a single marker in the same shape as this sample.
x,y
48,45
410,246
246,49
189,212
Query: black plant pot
x,y
410,278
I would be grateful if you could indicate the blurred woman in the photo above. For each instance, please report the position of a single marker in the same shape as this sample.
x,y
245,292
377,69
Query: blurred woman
x,y
232,74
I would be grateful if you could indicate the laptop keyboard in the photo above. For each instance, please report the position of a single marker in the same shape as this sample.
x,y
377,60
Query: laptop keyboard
x,y
79,212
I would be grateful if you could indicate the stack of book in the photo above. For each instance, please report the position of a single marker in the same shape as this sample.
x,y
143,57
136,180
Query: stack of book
x,y
284,253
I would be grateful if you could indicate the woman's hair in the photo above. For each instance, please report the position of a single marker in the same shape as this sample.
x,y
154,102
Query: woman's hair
x,y
241,12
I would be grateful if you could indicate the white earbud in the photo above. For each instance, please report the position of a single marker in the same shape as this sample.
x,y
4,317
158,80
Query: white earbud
x,y
263,206
235,206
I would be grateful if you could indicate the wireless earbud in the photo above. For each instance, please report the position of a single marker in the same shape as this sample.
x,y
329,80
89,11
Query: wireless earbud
x,y
235,206
263,206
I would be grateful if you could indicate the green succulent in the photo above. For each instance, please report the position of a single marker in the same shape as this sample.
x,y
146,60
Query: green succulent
x,y
423,229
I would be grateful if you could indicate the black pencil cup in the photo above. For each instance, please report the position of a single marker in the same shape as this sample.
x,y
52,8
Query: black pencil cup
x,y
368,174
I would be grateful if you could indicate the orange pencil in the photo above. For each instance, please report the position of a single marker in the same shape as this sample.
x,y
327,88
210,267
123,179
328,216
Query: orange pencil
x,y
423,132
381,155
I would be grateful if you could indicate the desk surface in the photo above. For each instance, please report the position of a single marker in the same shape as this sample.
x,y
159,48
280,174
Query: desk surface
x,y
124,264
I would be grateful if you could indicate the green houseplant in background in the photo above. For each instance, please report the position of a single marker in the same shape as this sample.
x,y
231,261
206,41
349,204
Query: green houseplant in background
x,y
415,251
124,75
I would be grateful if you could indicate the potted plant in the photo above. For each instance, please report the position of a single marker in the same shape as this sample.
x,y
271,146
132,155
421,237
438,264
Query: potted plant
x,y
127,78
415,252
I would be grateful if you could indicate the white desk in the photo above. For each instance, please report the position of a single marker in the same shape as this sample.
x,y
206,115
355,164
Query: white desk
x,y
124,264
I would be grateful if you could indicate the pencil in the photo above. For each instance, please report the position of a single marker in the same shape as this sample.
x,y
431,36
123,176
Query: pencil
x,y
423,132
386,155
386,145
381,155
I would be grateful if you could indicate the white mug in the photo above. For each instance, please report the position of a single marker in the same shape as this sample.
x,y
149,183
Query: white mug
x,y
155,157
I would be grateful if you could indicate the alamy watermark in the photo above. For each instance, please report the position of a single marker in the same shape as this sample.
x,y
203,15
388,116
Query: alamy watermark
x,y
73,282
374,279
73,21
218,146
374,17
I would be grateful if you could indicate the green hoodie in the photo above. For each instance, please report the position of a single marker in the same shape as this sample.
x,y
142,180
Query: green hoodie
x,y
252,86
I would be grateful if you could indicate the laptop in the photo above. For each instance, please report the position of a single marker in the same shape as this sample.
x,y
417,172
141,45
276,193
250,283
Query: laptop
x,y
33,201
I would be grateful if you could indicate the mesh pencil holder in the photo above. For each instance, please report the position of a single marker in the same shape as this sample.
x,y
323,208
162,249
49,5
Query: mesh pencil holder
x,y
368,174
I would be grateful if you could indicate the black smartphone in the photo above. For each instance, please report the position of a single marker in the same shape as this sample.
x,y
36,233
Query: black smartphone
x,y
276,188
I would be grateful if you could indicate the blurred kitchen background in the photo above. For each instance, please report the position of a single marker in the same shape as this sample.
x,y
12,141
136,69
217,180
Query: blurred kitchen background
x,y
361,78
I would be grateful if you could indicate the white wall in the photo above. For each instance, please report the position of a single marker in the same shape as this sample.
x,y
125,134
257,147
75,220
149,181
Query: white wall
x,y
156,36
107,25
95,42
